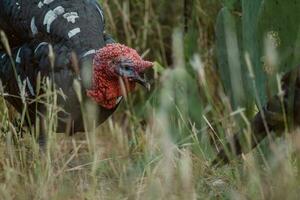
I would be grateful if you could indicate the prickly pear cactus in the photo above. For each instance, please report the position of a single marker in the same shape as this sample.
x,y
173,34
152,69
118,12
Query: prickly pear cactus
x,y
229,51
281,21
273,19
250,12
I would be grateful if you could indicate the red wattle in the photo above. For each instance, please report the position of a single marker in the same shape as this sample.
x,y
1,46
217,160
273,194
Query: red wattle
x,y
106,88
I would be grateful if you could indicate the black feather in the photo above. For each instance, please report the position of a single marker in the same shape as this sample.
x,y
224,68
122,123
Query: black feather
x,y
30,32
282,110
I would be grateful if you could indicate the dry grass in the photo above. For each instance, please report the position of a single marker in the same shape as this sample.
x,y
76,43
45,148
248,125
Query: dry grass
x,y
157,145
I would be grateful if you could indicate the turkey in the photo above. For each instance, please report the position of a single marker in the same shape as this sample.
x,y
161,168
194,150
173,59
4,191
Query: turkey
x,y
281,110
74,32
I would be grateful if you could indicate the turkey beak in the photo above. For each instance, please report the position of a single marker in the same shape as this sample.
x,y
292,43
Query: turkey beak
x,y
143,82
142,66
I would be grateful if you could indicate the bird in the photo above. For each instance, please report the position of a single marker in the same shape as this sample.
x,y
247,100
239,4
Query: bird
x,y
281,111
73,32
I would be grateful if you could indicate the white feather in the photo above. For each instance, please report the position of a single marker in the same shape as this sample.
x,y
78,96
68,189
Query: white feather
x,y
41,44
33,27
51,15
71,16
48,1
100,11
40,5
18,58
92,51
73,32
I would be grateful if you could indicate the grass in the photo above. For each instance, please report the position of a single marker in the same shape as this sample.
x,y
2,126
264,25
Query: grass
x,y
157,145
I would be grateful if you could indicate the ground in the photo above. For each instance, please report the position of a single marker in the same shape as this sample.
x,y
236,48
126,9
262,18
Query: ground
x,y
157,145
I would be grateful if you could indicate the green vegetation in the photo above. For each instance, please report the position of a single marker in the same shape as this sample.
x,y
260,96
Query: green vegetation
x,y
158,145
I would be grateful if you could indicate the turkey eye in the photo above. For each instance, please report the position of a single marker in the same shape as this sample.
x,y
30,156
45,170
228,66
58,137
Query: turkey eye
x,y
127,68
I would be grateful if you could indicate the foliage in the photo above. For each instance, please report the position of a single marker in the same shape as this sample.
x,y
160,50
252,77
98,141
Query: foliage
x,y
158,145
248,31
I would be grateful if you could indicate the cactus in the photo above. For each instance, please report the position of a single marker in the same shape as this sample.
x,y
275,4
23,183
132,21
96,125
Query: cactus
x,y
280,20
229,53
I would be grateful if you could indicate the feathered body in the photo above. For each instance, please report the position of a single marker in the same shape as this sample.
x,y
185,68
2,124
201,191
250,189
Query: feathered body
x,y
75,29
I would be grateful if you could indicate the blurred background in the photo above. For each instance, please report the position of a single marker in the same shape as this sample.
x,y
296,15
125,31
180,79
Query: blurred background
x,y
216,63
